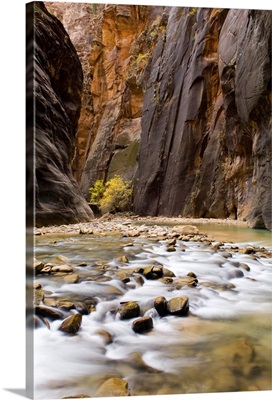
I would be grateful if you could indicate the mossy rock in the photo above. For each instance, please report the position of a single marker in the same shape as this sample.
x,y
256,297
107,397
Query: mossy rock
x,y
130,309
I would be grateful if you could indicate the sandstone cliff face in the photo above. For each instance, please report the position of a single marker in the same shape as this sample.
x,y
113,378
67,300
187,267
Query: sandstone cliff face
x,y
206,128
57,96
179,101
114,43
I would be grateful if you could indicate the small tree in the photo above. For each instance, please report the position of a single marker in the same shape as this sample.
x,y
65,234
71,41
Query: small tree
x,y
115,197
97,191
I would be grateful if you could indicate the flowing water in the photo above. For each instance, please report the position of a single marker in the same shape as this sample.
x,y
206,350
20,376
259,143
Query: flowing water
x,y
224,344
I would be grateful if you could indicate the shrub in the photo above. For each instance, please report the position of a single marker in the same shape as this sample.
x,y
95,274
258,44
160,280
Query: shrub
x,y
97,191
114,196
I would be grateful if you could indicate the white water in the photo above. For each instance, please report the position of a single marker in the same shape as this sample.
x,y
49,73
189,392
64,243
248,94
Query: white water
x,y
200,348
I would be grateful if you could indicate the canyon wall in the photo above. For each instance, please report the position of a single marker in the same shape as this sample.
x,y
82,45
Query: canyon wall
x,y
178,100
115,44
206,127
57,96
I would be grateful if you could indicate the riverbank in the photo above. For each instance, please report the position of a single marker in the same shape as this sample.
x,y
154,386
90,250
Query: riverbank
x,y
225,230
121,222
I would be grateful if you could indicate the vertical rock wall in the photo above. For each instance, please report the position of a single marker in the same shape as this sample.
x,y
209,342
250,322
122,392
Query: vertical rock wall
x,y
179,101
57,97
206,127
115,44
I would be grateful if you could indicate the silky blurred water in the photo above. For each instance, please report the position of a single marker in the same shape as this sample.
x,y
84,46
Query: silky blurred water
x,y
224,344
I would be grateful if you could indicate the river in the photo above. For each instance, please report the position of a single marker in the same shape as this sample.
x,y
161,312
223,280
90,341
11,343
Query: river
x,y
222,345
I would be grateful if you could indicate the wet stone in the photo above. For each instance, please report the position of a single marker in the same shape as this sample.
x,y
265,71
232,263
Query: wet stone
x,y
128,310
178,306
73,278
191,282
62,268
71,324
167,272
171,248
46,270
166,280
171,242
38,266
153,272
82,308
107,336
138,279
123,259
245,266
235,273
142,325
49,313
37,285
113,387
248,250
38,296
82,264
50,302
65,305
160,304
191,274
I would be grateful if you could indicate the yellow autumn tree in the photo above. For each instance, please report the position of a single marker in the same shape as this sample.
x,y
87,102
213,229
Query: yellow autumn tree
x,y
116,197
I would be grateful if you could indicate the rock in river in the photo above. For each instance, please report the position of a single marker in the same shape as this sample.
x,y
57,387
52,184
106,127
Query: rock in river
x,y
113,387
153,272
160,305
142,325
128,310
71,324
178,306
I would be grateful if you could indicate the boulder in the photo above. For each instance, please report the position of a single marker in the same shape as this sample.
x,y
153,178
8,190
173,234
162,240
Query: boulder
x,y
47,312
178,306
38,266
191,274
129,309
186,281
153,272
160,304
142,325
65,305
62,268
71,324
235,273
167,272
186,230
73,278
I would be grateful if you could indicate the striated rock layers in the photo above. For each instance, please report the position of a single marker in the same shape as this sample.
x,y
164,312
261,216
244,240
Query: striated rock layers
x,y
57,96
115,44
178,100
205,147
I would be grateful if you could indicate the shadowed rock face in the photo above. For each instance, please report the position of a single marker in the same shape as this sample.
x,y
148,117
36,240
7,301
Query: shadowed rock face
x,y
179,101
205,148
57,95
